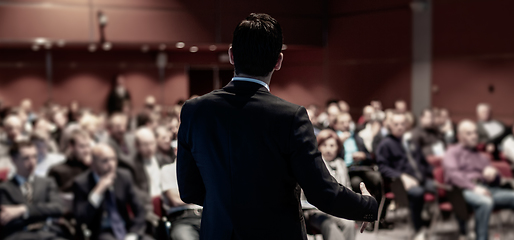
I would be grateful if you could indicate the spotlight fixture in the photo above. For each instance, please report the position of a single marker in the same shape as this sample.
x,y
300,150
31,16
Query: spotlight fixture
x,y
193,49
162,47
91,47
213,48
180,45
107,46
145,48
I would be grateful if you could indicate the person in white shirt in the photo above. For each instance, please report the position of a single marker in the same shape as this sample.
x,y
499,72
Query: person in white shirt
x,y
185,218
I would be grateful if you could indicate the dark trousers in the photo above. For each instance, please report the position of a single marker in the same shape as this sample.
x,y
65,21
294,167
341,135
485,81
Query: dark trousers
x,y
416,197
373,181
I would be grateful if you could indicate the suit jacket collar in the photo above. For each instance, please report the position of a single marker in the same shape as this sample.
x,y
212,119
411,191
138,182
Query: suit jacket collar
x,y
244,87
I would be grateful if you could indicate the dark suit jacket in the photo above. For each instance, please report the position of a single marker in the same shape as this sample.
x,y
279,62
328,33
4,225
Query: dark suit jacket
x,y
140,177
85,213
393,161
45,203
243,154
65,173
125,158
115,102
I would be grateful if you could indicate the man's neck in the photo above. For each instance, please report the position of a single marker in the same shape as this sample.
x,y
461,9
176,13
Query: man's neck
x,y
266,79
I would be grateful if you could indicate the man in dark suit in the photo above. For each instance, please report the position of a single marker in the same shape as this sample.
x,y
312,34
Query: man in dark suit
x,y
146,170
102,196
121,141
243,153
78,161
27,201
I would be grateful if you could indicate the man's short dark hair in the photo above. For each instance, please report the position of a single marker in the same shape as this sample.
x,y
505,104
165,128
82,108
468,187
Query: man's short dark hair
x,y
256,45
15,150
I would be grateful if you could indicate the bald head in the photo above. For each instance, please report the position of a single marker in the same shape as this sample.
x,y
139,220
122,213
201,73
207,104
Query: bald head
x,y
467,132
13,127
104,159
145,141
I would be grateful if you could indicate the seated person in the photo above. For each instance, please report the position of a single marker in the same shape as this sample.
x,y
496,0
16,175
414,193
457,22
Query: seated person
x,y
28,201
146,170
405,162
471,170
164,149
358,160
120,139
102,196
427,136
185,218
331,227
77,162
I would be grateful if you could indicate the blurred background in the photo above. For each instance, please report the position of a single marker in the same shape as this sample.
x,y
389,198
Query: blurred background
x,y
450,54
61,60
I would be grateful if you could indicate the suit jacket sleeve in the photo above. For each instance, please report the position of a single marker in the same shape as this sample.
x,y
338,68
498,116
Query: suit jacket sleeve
x,y
83,210
52,207
320,188
190,182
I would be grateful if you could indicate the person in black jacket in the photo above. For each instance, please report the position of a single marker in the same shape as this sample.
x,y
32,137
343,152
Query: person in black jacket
x,y
27,202
404,161
101,198
119,97
244,153
77,162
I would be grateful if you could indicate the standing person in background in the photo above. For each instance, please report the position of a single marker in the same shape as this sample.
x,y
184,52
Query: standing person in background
x,y
490,131
119,95
232,137
331,227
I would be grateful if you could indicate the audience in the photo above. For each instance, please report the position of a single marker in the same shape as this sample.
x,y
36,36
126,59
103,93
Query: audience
x,y
471,170
331,227
28,202
101,198
79,158
404,161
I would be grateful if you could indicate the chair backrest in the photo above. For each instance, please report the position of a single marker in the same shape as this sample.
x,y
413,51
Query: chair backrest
x,y
157,205
4,173
439,177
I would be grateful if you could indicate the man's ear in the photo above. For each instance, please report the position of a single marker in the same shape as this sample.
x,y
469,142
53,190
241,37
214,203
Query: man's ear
x,y
279,62
230,56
